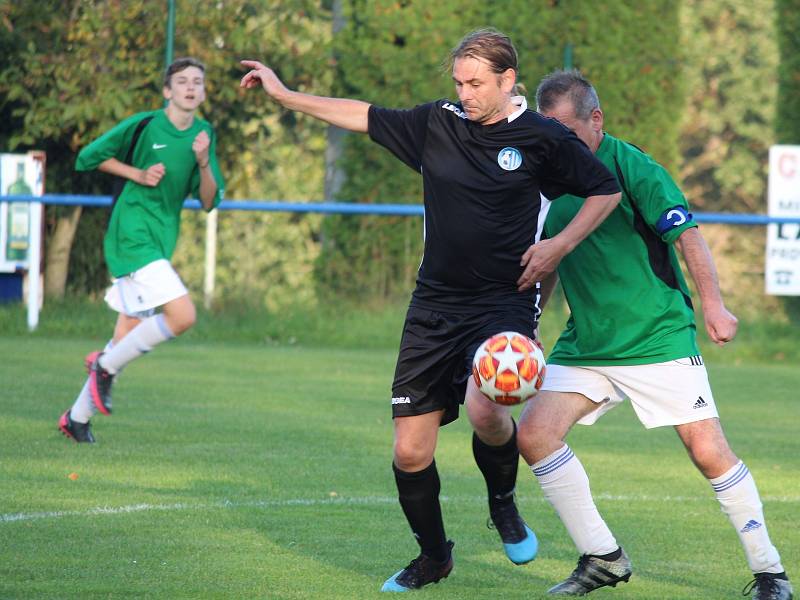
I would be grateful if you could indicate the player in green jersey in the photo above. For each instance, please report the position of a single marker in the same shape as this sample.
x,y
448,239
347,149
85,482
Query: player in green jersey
x,y
631,334
162,156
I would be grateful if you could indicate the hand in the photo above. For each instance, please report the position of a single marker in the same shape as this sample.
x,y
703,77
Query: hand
x,y
152,175
200,147
721,325
539,260
262,75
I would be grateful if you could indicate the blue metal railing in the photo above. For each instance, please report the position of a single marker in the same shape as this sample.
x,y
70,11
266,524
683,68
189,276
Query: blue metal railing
x,y
353,208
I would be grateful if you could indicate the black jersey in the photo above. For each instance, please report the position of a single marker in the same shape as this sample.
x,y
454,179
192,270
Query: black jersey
x,y
482,187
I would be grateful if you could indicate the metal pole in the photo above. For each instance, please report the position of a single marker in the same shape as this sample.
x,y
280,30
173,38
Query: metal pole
x,y
567,56
170,32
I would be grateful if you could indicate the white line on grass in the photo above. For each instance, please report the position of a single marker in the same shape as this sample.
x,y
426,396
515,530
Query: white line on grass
x,y
338,501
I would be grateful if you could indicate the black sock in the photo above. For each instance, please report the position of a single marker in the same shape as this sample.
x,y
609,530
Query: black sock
x,y
615,555
419,498
499,467
781,575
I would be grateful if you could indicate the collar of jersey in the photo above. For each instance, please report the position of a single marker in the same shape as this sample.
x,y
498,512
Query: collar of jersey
x,y
520,101
164,122
605,145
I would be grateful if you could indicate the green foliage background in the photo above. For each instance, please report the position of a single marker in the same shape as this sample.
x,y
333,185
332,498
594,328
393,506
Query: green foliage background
x,y
695,83
787,122
394,54
79,67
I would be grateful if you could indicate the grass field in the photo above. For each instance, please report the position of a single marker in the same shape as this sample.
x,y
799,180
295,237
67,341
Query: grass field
x,y
253,470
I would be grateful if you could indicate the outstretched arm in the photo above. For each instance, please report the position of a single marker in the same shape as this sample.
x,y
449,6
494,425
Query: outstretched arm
x,y
720,323
341,112
543,257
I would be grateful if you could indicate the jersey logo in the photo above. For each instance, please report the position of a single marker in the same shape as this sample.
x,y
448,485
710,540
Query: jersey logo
x,y
671,218
454,109
509,159
159,146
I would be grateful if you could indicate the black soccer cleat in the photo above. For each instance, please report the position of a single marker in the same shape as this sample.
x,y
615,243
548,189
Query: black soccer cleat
x,y
100,382
420,572
519,541
80,432
593,573
769,586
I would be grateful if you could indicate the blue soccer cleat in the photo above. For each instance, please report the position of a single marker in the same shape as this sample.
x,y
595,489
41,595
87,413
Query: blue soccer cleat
x,y
519,541
420,572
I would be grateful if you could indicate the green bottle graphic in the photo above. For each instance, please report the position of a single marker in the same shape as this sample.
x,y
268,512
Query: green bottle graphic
x,y
18,218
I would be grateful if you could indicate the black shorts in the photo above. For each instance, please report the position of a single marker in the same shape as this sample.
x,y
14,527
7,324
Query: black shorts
x,y
436,351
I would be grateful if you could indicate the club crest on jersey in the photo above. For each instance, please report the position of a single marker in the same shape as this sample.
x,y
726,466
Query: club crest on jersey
x,y
509,159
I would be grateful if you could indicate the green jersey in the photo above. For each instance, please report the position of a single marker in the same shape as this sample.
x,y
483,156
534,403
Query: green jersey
x,y
146,220
628,300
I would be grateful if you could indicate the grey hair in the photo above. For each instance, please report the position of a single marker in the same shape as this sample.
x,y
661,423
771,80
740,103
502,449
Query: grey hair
x,y
570,85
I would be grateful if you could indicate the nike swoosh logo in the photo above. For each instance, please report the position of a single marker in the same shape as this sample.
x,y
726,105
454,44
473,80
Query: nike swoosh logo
x,y
159,146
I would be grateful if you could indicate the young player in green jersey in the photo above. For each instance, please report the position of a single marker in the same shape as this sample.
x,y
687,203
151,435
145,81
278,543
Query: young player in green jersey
x,y
163,156
631,333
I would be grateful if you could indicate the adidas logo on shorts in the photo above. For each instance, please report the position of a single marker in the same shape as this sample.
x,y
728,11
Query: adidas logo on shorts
x,y
700,403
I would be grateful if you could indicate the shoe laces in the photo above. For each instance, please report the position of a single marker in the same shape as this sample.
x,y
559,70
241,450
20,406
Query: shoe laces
x,y
420,569
765,583
582,562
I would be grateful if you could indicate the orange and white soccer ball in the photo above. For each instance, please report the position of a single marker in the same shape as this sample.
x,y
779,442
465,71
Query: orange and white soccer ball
x,y
508,368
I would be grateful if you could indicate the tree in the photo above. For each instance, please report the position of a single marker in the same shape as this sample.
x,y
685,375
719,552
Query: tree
x,y
46,83
393,54
787,19
787,123
59,97
727,130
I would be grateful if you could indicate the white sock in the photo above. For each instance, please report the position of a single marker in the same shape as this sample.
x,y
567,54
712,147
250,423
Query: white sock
x,y
140,340
565,485
737,494
84,409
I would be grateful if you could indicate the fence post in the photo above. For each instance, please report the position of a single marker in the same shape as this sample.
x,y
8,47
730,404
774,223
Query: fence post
x,y
34,261
211,258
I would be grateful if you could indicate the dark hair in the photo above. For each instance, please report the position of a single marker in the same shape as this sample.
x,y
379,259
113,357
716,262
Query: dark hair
x,y
571,85
178,65
490,45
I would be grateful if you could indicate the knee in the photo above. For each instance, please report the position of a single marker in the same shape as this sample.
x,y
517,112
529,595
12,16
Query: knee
x,y
536,440
493,427
180,321
710,458
410,457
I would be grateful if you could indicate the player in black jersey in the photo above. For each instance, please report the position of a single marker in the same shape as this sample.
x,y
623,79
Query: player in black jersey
x,y
484,162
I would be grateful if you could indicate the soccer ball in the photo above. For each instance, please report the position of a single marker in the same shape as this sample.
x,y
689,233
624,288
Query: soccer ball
x,y
508,368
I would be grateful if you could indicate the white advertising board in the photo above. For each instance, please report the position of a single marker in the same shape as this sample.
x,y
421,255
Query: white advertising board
x,y
20,174
782,271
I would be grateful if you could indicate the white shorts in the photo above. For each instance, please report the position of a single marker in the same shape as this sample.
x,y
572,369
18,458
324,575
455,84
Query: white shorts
x,y
668,393
138,294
